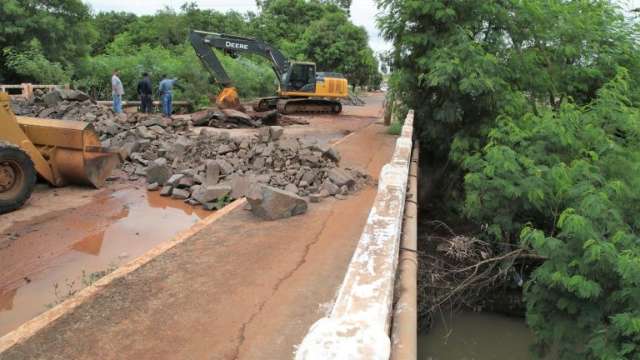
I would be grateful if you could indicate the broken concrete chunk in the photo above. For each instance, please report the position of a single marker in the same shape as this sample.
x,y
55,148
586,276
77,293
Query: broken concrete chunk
x,y
271,203
143,132
185,182
157,129
180,194
178,149
206,194
52,98
275,132
212,173
166,191
330,187
340,177
240,185
332,154
225,166
157,173
153,187
291,188
238,115
173,179
289,145
264,134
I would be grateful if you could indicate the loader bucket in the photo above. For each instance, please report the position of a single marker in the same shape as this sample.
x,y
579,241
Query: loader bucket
x,y
72,149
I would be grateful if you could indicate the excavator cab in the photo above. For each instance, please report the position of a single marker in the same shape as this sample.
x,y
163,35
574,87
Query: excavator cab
x,y
301,77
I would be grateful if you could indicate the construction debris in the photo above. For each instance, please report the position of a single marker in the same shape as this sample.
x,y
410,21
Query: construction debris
x,y
76,105
210,167
271,204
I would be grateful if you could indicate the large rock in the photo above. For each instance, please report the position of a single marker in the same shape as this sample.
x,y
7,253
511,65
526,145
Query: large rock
x,y
158,172
180,194
275,132
52,98
270,203
340,177
206,194
330,187
241,185
179,147
212,175
73,95
225,166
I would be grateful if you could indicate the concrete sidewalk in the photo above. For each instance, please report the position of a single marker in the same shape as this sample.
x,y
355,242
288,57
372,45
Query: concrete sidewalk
x,y
239,289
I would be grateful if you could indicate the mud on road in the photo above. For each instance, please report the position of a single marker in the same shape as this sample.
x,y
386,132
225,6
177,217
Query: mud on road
x,y
63,238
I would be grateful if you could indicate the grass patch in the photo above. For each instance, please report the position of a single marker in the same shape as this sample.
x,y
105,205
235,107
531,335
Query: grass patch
x,y
395,128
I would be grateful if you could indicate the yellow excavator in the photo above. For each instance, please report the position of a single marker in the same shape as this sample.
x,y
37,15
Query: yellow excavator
x,y
59,151
302,89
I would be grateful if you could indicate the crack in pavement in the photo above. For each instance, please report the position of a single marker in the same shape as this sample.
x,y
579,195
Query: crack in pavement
x,y
302,261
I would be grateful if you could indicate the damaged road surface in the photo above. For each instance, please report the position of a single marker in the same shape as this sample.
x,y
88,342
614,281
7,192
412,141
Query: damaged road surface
x,y
240,287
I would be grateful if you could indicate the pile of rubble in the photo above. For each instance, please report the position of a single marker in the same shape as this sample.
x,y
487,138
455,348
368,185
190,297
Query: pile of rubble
x,y
76,105
207,168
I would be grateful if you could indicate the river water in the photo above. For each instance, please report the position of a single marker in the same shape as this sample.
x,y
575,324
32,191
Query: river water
x,y
476,336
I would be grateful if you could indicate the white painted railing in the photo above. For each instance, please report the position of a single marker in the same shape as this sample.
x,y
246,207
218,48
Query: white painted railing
x,y
358,325
26,89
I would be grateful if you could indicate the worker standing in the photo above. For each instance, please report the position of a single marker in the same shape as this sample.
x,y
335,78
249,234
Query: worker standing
x,y
117,90
166,94
145,93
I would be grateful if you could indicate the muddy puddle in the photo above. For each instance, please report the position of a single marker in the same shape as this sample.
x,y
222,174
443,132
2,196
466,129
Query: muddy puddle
x,y
45,259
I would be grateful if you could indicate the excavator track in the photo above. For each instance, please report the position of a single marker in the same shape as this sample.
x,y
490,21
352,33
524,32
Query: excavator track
x,y
309,106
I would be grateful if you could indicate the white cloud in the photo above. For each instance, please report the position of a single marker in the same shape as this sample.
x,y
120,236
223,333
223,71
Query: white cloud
x,y
363,12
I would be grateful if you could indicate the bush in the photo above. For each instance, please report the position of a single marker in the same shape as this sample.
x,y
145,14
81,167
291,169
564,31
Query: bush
x,y
570,180
32,65
395,128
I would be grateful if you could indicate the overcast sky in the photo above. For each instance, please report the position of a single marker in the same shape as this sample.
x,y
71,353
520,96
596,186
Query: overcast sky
x,y
363,12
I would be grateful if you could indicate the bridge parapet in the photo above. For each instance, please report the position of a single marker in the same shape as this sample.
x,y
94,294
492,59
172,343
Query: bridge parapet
x,y
358,325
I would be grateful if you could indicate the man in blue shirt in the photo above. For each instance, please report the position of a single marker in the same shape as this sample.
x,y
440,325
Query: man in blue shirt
x,y
166,96
117,90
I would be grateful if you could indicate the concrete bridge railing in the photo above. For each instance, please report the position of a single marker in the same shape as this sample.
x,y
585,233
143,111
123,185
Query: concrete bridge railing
x,y
26,90
358,326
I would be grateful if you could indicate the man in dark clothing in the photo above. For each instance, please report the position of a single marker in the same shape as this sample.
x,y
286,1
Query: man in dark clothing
x,y
145,93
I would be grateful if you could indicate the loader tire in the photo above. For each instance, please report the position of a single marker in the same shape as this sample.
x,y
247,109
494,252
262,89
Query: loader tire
x,y
17,177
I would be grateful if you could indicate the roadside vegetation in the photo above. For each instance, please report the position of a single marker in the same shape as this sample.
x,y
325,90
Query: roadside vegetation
x,y
64,42
528,115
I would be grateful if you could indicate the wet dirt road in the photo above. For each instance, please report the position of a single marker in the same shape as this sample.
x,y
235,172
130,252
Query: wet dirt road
x,y
241,288
47,258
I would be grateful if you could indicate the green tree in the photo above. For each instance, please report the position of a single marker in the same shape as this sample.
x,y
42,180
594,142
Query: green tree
x,y
336,44
528,110
48,22
108,25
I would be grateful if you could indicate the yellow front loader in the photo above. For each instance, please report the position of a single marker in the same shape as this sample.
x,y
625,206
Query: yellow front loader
x,y
60,151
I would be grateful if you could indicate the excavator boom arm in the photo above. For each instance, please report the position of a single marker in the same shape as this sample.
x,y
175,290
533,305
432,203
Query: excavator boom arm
x,y
203,42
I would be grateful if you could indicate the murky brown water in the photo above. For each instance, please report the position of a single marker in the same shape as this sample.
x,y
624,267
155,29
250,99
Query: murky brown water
x,y
51,254
476,336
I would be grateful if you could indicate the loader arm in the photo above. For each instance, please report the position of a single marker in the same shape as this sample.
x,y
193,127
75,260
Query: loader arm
x,y
203,42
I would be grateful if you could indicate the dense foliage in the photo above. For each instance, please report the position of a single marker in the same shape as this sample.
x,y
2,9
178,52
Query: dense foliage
x,y
62,41
528,112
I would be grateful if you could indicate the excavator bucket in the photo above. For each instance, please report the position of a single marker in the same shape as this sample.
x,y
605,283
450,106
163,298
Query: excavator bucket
x,y
72,149
228,98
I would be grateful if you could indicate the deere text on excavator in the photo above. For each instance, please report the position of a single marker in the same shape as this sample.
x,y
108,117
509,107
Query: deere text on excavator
x,y
301,88
59,151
